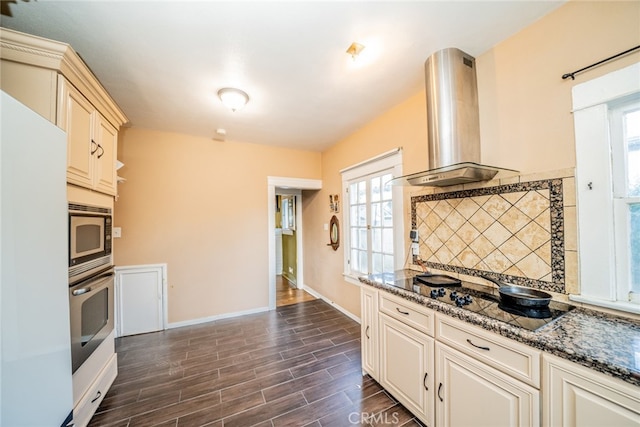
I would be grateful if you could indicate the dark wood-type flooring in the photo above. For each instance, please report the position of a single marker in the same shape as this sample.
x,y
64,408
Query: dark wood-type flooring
x,y
298,365
286,294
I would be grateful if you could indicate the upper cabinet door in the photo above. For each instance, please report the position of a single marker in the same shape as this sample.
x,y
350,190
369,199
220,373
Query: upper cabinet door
x,y
75,117
105,157
91,142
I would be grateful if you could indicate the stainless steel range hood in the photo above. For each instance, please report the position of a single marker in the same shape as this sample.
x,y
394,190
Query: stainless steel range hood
x,y
453,123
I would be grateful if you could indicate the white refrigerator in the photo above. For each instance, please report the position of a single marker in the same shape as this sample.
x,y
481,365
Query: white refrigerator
x,y
34,319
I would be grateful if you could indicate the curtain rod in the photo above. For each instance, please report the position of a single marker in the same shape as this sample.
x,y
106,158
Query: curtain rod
x,y
572,75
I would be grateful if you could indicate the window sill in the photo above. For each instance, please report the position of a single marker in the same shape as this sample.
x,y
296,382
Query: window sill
x,y
613,305
351,279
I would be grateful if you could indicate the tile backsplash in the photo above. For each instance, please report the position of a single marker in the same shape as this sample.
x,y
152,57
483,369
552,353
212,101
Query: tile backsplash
x,y
516,230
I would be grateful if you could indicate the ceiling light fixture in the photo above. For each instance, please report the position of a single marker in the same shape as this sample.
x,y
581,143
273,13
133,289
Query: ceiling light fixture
x,y
354,50
234,99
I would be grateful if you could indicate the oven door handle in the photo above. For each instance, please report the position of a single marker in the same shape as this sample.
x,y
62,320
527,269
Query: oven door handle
x,y
81,291
93,286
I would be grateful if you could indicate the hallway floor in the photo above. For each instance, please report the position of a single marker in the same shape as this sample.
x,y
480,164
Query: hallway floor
x,y
298,365
287,294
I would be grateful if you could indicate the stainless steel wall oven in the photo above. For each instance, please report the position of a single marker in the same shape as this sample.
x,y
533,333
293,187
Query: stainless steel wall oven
x,y
91,315
91,280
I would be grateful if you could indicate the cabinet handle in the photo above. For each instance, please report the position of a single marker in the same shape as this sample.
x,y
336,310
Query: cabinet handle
x,y
101,151
366,332
478,346
97,396
402,312
424,381
93,151
440,388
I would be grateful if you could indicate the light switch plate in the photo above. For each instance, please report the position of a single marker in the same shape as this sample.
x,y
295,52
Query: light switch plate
x,y
117,232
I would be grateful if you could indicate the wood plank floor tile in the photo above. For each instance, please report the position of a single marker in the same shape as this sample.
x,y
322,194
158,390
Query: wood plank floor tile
x,y
297,365
296,385
371,409
312,411
316,365
267,411
261,383
171,412
292,363
218,412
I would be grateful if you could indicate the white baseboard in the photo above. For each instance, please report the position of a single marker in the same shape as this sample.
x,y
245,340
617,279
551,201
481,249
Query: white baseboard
x,y
216,317
328,301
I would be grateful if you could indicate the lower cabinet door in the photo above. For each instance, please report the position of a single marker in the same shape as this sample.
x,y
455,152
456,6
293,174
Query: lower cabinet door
x,y
576,396
471,393
406,367
369,331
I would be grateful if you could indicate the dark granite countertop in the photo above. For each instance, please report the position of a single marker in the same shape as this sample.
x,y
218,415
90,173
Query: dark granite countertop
x,y
603,342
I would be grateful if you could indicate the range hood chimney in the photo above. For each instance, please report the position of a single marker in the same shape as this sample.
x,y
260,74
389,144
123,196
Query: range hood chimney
x,y
453,123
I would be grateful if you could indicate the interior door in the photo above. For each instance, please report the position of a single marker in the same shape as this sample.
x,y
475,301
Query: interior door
x,y
141,299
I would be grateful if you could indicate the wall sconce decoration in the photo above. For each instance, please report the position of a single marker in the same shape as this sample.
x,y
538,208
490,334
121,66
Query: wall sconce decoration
x,y
334,233
334,203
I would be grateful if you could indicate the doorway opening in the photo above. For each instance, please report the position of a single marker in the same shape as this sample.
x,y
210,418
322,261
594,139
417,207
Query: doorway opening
x,y
289,189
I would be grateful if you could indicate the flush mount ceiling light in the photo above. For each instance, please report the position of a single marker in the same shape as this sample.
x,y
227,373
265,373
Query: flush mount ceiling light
x,y
234,99
354,50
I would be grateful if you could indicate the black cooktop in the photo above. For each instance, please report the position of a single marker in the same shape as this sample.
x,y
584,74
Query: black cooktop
x,y
479,299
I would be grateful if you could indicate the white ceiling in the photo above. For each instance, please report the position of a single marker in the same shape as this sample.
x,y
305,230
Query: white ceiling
x,y
164,61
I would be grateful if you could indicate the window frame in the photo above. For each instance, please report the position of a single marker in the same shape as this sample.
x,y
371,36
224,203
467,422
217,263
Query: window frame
x,y
603,281
390,161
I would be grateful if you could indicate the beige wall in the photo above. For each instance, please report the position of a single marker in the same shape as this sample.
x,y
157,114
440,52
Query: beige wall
x,y
201,206
403,126
525,118
525,106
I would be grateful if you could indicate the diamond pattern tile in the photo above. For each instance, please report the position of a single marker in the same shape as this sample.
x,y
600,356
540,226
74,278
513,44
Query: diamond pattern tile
x,y
481,220
497,234
507,233
443,209
467,232
514,219
496,206
444,232
467,208
533,203
482,246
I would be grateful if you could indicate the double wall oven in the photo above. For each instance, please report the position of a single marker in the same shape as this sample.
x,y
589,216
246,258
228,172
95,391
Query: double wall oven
x,y
91,279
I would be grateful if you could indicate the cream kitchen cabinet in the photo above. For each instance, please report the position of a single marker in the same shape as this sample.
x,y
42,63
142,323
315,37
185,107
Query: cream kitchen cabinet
x,y
471,393
407,354
484,379
51,79
576,396
91,141
445,371
406,367
369,331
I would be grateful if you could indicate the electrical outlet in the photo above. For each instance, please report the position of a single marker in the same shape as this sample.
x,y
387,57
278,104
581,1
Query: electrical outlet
x,y
415,249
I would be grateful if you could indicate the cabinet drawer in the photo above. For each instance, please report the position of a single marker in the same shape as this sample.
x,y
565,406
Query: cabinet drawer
x,y
515,359
87,406
408,312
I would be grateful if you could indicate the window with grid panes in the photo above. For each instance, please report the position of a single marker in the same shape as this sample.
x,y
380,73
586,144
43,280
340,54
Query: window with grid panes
x,y
607,127
371,224
373,216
